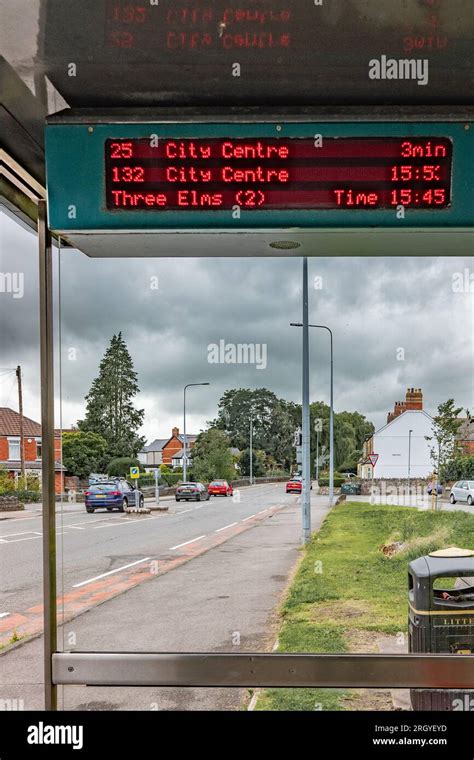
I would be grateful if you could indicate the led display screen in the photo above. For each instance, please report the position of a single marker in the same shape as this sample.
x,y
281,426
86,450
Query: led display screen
x,y
278,173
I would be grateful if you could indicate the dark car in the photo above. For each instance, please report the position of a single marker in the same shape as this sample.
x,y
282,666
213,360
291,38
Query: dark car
x,y
193,491
112,494
439,488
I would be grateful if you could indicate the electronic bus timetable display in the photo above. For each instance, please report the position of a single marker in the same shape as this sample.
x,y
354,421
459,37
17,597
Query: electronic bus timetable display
x,y
278,174
124,52
233,176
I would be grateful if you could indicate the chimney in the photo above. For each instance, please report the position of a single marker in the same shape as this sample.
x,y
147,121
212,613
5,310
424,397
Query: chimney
x,y
398,409
414,398
175,432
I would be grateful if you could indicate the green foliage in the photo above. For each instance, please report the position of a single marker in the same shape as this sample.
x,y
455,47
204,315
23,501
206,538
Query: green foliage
x,y
120,467
172,478
460,468
212,457
7,483
83,452
31,491
344,576
338,481
350,431
444,443
110,411
259,468
147,479
274,422
27,495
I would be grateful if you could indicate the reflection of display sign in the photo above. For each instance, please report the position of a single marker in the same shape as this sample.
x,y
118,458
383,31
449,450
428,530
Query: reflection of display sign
x,y
134,473
288,51
373,458
258,176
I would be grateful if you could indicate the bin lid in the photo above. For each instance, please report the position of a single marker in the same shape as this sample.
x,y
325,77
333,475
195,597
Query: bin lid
x,y
452,551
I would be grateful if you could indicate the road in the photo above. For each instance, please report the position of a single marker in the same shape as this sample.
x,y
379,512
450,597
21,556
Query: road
x,y
217,593
93,547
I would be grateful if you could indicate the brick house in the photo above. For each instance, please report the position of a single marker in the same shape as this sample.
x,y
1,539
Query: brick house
x,y
10,443
466,436
167,450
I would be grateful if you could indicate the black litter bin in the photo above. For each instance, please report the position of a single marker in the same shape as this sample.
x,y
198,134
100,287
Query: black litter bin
x,y
441,618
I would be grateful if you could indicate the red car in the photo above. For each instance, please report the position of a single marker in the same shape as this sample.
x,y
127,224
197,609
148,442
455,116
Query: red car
x,y
294,485
220,488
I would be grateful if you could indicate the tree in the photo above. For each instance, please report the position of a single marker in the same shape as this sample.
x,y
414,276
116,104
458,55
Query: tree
x,y
83,452
274,421
110,411
212,456
350,431
445,445
120,467
460,468
259,468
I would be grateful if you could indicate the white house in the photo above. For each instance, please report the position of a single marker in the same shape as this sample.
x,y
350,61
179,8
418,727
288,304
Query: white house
x,y
394,441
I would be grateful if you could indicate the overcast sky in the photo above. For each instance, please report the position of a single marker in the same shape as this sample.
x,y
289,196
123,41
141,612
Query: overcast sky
x,y
375,307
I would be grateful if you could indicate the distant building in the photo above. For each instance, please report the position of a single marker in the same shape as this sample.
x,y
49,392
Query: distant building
x,y
11,445
466,436
167,450
393,441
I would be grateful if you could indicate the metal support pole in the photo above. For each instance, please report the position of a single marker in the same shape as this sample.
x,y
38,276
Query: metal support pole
x,y
317,456
331,427
306,445
47,438
409,464
157,487
185,468
331,413
251,452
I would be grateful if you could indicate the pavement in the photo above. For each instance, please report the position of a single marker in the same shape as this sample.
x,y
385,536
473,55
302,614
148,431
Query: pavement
x,y
205,577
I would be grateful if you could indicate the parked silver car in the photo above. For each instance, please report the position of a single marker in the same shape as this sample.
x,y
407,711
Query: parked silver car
x,y
463,490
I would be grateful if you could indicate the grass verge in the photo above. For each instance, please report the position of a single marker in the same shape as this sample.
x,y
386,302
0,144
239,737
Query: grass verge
x,y
345,586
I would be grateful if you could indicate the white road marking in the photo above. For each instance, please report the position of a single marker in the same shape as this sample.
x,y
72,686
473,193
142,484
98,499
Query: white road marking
x,y
74,527
248,518
4,614
184,511
225,527
111,572
23,533
129,521
178,546
16,540
263,510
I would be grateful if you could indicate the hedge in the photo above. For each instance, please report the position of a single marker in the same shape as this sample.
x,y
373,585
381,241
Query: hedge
x,y
338,481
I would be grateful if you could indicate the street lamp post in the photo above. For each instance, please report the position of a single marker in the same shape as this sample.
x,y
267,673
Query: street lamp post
x,y
251,451
409,463
331,412
317,455
185,465
306,433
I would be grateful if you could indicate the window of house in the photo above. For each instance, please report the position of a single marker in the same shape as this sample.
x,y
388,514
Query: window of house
x,y
39,450
14,449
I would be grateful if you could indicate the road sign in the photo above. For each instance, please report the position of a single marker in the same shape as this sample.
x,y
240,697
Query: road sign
x,y
373,458
134,473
